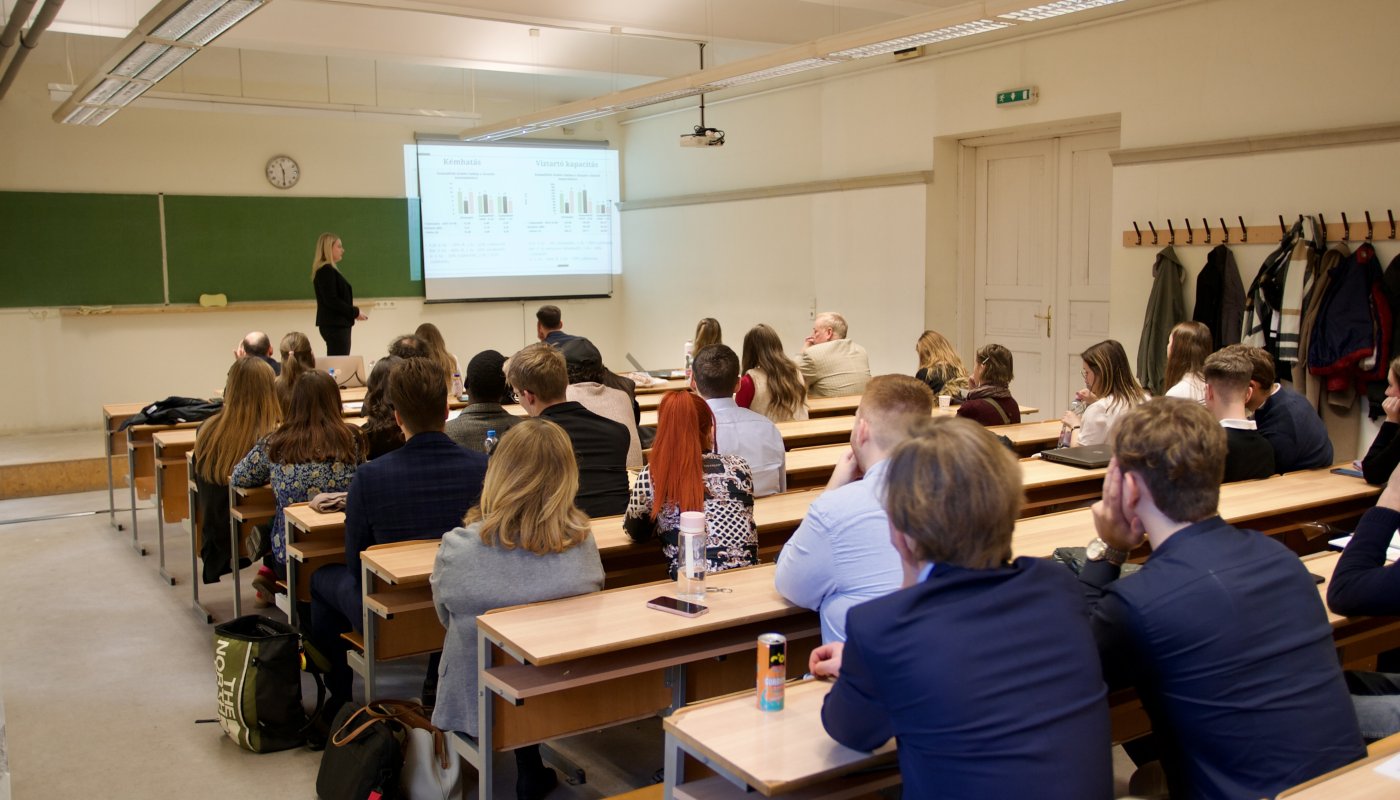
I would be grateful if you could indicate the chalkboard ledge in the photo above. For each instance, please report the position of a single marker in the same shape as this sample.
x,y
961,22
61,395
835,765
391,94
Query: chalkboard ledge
x,y
181,308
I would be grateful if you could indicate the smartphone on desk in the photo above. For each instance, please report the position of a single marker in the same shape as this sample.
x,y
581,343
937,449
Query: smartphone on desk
x,y
1355,473
678,607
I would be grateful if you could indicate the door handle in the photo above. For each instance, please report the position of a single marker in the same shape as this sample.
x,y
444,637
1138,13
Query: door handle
x,y
1047,317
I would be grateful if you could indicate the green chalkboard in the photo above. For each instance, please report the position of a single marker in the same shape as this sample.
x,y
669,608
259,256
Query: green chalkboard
x,y
79,249
260,248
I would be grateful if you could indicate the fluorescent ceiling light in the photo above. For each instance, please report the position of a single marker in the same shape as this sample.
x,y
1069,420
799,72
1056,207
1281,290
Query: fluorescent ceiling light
x,y
919,39
168,36
767,74
1051,10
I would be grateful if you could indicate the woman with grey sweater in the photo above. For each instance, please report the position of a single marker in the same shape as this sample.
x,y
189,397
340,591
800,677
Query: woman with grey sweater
x,y
524,543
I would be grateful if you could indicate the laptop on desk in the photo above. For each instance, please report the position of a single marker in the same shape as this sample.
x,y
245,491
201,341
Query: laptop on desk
x,y
349,370
1094,456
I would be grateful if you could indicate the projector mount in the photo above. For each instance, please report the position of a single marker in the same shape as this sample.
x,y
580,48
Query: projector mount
x,y
703,136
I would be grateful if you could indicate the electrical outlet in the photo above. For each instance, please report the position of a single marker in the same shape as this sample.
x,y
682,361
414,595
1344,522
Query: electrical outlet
x,y
386,304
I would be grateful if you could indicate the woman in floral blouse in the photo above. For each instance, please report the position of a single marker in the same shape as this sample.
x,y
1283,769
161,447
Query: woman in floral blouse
x,y
313,451
684,474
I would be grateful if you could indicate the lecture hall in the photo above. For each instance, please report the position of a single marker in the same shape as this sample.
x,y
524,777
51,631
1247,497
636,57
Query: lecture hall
x,y
960,323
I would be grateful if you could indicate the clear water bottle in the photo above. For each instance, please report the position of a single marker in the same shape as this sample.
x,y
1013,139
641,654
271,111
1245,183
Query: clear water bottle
x,y
689,357
1066,432
458,389
691,564
332,372
491,441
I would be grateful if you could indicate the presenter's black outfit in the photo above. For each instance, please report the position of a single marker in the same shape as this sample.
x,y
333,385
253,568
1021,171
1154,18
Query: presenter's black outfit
x,y
335,309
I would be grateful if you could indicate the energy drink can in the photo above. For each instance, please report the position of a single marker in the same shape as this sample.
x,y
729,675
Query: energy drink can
x,y
772,671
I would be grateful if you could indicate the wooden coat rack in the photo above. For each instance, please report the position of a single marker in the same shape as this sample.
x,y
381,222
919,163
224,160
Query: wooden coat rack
x,y
1206,235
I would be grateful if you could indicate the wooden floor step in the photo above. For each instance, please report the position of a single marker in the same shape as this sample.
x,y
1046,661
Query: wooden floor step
x,y
653,792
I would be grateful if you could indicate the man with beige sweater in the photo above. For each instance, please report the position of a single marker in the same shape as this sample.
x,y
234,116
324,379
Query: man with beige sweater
x,y
831,364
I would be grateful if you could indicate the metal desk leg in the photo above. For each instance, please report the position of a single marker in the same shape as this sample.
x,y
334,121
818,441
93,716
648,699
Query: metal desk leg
x,y
200,611
160,517
289,538
674,764
486,718
111,481
235,553
131,480
370,621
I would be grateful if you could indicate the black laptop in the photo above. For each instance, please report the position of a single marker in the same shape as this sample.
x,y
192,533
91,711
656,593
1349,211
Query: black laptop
x,y
1094,456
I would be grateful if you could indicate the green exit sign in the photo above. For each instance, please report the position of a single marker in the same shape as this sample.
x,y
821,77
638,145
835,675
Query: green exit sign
x,y
1013,97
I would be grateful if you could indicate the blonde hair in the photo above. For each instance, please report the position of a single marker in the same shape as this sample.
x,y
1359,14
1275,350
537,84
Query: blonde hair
x,y
539,368
527,499
250,412
437,349
324,257
707,332
940,362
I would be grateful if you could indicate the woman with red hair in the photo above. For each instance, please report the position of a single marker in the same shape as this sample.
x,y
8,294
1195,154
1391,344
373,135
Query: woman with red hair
x,y
685,474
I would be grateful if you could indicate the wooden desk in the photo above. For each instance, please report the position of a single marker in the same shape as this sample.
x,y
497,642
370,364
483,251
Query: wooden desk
x,y
673,385
172,494
1029,437
314,539
1356,781
113,441
582,663
141,467
774,752
247,507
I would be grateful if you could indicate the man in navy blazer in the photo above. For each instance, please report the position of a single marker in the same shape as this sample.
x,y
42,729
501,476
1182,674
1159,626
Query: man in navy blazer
x,y
982,667
1221,632
419,491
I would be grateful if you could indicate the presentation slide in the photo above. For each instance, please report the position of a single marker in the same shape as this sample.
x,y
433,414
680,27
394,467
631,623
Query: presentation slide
x,y
509,221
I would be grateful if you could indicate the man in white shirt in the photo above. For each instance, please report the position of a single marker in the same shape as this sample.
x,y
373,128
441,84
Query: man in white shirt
x,y
739,431
841,555
831,364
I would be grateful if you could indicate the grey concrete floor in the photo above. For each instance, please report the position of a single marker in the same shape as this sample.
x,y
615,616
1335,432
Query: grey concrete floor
x,y
105,674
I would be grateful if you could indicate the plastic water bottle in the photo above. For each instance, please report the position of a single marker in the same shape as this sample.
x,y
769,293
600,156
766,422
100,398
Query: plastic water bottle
x,y
691,564
458,389
491,442
689,357
1066,432
332,372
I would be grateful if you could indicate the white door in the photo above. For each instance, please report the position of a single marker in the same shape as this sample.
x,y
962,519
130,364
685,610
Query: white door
x,y
1041,215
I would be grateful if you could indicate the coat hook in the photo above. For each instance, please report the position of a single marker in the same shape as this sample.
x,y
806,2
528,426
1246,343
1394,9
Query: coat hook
x,y
1346,228
1244,232
1370,230
1139,232
1172,240
1224,231
1206,223
1190,234
1154,230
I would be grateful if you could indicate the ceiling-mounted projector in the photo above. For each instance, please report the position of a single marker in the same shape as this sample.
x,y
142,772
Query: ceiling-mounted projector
x,y
703,137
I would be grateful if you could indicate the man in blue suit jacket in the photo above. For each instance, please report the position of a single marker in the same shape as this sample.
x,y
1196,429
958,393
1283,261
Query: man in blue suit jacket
x,y
420,491
1221,632
982,667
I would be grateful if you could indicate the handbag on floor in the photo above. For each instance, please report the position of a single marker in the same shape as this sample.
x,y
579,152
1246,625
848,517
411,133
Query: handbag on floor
x,y
257,663
388,749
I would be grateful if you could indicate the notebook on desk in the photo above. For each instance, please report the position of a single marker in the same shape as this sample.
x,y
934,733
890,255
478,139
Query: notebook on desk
x,y
1094,456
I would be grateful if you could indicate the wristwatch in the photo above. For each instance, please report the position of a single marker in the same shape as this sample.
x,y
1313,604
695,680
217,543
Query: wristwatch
x,y
1099,550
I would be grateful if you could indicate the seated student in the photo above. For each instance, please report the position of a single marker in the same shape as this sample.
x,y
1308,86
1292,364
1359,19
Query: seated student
x,y
381,429
1289,421
409,346
297,358
250,412
1363,584
1384,452
989,402
1187,347
1221,631
486,390
313,451
1110,390
1248,455
685,474
707,332
419,491
832,365
940,366
540,379
437,349
525,542
840,555
771,385
983,667
257,345
586,387
739,431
